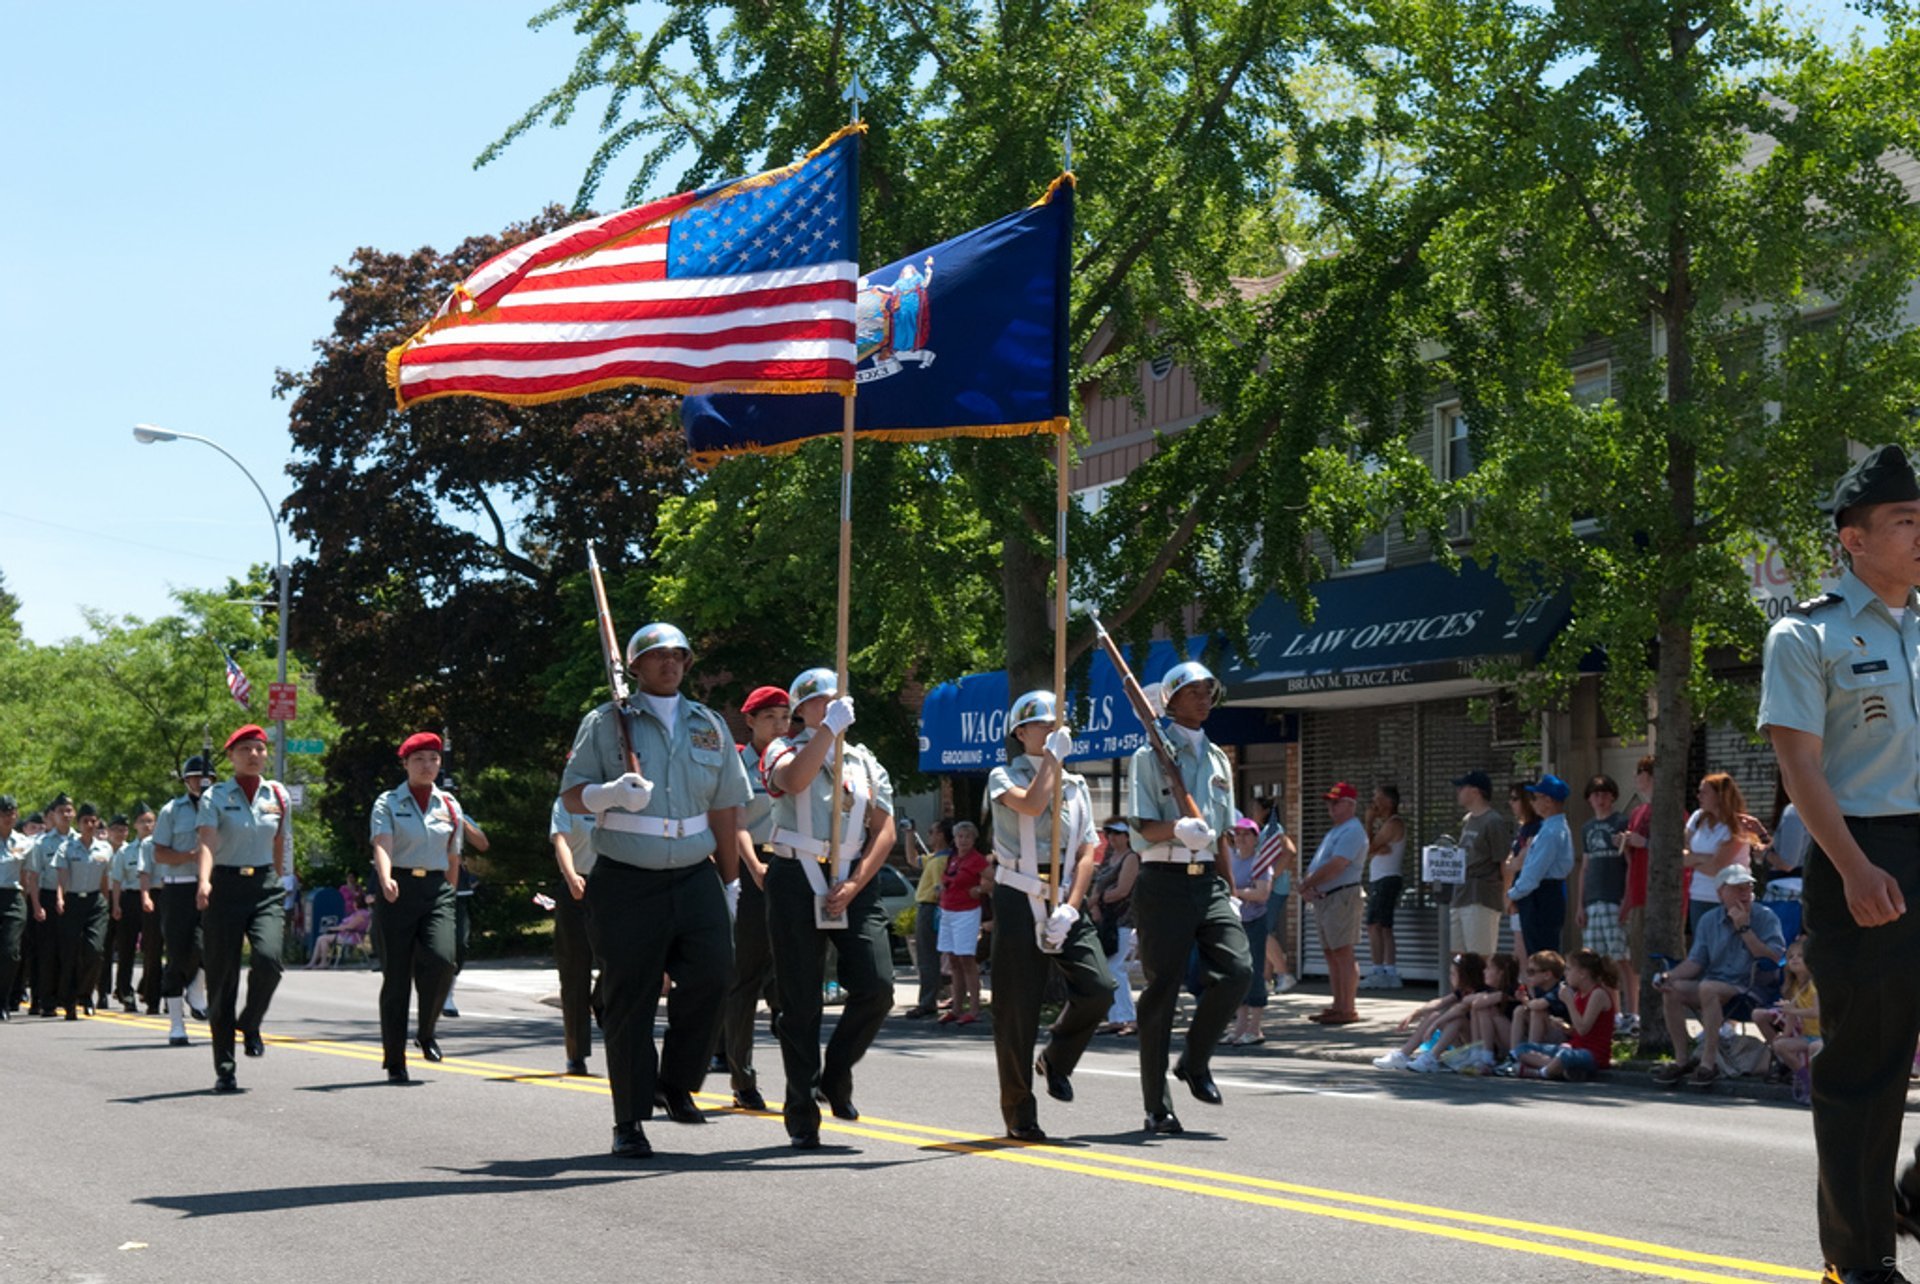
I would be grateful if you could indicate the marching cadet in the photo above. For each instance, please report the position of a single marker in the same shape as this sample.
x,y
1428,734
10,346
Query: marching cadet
x,y
14,850
149,916
243,830
176,866
110,951
811,903
1181,898
82,872
768,718
1024,954
43,882
572,837
657,905
1840,698
416,861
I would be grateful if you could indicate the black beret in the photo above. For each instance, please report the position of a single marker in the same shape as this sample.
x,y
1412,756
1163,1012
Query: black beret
x,y
118,819
59,800
7,803
141,809
87,809
1885,476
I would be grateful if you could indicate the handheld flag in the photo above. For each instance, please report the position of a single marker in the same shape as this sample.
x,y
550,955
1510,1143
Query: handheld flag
x,y
1267,854
237,685
968,338
744,285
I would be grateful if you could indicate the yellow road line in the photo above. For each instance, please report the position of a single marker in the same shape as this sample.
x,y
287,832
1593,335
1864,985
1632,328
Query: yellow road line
x,y
1262,1191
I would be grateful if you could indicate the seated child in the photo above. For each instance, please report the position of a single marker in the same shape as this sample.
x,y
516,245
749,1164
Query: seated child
x,y
1541,1014
1437,1023
1587,994
1791,1027
1490,1014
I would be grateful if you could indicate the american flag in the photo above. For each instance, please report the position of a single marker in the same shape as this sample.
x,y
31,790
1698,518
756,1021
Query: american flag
x,y
747,285
1268,852
237,684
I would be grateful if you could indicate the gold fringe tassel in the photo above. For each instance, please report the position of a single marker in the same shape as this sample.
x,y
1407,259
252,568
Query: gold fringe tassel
x,y
1066,179
706,459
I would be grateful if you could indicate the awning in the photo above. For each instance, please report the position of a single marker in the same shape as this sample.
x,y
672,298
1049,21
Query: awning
x,y
1373,636
963,724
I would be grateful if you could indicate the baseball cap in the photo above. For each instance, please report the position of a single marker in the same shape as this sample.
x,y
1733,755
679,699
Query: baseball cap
x,y
1246,822
1478,779
1116,827
1733,876
1342,790
1550,785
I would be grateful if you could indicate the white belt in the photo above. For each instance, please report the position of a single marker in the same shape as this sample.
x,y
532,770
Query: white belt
x,y
184,878
1174,854
627,822
793,845
1019,882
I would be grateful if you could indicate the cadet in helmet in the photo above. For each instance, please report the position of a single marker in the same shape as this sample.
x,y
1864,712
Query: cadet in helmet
x,y
815,897
768,718
416,861
1032,939
656,903
176,869
243,825
82,870
14,847
1182,898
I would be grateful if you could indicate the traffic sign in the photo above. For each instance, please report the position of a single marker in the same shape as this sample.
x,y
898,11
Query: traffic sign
x,y
282,700
306,746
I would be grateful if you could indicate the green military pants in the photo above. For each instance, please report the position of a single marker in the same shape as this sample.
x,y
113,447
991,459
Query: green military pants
x,y
150,955
646,924
865,964
1020,970
13,930
123,935
180,929
751,981
83,938
573,959
1175,913
46,954
244,912
417,930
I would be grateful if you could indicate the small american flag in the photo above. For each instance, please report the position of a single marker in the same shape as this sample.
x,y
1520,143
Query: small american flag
x,y
1268,852
237,684
747,285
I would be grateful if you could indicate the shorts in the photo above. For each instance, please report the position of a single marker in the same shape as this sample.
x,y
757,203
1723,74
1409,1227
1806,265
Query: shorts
x,y
1383,897
1577,1064
1339,918
960,932
1475,928
1606,935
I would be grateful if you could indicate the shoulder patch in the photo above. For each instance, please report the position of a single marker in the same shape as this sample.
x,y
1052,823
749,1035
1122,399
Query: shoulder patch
x,y
1813,604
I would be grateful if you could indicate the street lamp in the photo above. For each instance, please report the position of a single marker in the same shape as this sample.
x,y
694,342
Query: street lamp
x,y
147,435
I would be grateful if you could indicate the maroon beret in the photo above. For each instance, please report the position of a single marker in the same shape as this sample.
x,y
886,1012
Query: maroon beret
x,y
246,733
420,740
763,698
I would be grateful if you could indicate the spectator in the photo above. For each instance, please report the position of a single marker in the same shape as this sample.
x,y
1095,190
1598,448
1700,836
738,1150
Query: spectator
x,y
1111,898
1791,1027
1332,886
926,916
1386,850
1633,843
1719,835
1587,994
1541,1014
1474,913
1272,832
1788,851
1526,823
1735,950
1490,1021
350,933
1599,889
963,887
1437,1022
1539,891
1252,886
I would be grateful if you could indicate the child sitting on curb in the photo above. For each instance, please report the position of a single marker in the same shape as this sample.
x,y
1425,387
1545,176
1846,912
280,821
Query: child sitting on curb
x,y
1541,1014
1437,1023
1791,1027
1588,995
1490,1014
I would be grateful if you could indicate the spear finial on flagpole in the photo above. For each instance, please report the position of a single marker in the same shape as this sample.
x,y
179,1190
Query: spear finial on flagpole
x,y
1066,150
854,96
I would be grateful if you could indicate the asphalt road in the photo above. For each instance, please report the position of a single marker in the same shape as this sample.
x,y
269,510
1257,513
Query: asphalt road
x,y
121,1165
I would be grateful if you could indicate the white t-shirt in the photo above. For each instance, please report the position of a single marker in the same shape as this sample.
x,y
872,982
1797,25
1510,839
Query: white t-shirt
x,y
1388,864
1704,838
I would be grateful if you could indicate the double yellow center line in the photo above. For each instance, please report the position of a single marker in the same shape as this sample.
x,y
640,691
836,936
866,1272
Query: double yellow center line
x,y
1591,1248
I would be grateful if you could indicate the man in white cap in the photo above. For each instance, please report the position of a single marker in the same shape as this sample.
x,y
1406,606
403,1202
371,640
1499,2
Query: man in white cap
x,y
1732,945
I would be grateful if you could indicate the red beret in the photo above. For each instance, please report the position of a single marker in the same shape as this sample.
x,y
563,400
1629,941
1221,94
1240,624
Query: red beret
x,y
763,698
248,732
420,740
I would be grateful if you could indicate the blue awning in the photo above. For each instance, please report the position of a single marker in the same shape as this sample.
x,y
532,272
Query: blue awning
x,y
963,724
1397,628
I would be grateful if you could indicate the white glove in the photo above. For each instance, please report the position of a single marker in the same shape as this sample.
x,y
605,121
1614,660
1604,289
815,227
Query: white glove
x,y
1192,833
839,714
631,792
1062,918
1156,699
1060,743
1235,902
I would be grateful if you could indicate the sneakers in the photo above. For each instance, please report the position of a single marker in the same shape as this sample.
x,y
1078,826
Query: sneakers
x,y
1286,981
1626,1024
1389,978
1394,1060
1427,1063
1375,979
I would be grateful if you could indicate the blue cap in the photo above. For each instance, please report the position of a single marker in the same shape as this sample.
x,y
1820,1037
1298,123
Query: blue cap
x,y
1478,779
1552,786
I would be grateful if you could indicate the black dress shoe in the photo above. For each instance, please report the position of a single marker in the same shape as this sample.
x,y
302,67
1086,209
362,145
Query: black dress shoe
x,y
804,1141
678,1103
430,1049
577,1065
73,1014
225,1082
749,1099
1863,1275
630,1142
1059,1087
842,1107
1200,1085
255,1045
1027,1132
198,1014
398,1074
1164,1123
178,1041
128,1005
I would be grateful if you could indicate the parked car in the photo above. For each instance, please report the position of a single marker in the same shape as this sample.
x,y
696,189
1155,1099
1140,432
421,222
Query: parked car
x,y
896,895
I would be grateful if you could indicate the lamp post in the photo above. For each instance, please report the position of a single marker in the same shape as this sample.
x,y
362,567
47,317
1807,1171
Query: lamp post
x,y
147,435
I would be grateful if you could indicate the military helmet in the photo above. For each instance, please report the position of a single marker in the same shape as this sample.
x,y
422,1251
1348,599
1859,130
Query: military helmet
x,y
653,637
1185,674
1034,706
814,682
197,766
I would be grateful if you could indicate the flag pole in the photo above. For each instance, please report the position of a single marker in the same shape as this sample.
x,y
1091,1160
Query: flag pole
x,y
1056,888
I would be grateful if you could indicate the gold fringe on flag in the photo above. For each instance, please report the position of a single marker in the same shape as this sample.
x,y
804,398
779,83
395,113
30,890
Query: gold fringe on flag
x,y
706,459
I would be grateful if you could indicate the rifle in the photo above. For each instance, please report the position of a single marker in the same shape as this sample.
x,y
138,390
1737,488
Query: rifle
x,y
610,649
1143,710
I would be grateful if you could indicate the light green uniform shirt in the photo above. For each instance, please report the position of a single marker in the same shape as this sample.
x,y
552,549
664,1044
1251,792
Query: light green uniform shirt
x,y
1844,670
1076,830
419,842
44,860
14,854
578,831
1208,776
693,768
134,858
244,831
818,795
85,866
758,816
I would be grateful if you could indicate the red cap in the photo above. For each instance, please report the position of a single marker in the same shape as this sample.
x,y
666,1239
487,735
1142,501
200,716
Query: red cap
x,y
1342,790
246,733
763,698
421,740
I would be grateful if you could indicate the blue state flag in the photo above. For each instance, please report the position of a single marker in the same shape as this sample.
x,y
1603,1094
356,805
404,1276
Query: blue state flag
x,y
967,339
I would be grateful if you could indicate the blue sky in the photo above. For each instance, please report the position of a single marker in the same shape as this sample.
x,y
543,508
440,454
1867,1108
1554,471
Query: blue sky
x,y
183,178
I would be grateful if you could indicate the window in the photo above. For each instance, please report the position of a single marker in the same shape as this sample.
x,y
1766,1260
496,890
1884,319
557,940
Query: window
x,y
1370,554
1592,386
1453,444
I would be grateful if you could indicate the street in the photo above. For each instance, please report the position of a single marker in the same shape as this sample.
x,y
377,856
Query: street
x,y
490,1166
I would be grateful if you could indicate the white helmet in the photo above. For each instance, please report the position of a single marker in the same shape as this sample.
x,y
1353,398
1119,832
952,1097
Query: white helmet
x,y
1034,706
814,682
1185,674
652,638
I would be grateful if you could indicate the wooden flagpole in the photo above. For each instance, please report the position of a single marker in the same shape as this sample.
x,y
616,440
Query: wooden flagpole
x,y
1056,887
